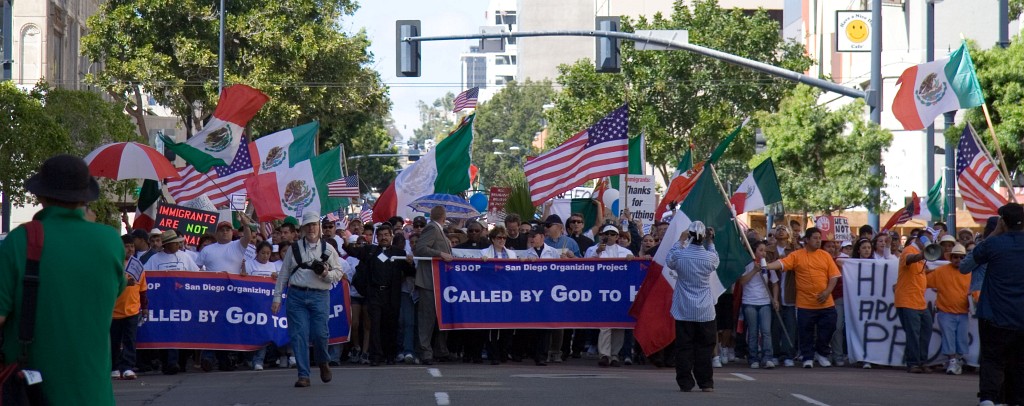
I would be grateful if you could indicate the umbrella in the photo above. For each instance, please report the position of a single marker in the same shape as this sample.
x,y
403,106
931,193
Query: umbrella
x,y
457,207
129,160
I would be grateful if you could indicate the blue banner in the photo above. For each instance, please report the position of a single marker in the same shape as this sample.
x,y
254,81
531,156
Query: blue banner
x,y
577,293
218,311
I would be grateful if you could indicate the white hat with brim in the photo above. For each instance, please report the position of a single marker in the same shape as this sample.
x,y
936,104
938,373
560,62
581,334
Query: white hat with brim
x,y
310,217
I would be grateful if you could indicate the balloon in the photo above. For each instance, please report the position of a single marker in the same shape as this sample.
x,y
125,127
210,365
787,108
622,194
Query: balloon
x,y
479,201
611,200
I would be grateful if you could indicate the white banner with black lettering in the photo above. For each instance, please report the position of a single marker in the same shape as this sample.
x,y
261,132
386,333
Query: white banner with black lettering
x,y
873,330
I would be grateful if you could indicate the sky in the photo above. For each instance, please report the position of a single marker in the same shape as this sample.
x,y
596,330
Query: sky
x,y
441,69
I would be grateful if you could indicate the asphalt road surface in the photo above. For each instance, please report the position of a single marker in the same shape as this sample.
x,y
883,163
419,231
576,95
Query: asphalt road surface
x,y
576,382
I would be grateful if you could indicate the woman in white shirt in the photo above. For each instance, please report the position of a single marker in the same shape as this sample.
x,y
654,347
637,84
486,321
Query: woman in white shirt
x,y
760,295
261,265
495,341
497,250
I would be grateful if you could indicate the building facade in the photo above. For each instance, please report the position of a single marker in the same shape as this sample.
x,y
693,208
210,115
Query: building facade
x,y
46,42
492,64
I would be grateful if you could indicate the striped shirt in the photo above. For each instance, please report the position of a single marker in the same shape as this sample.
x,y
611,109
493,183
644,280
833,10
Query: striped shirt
x,y
695,265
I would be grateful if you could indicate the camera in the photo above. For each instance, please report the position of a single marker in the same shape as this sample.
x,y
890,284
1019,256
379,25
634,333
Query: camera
x,y
318,267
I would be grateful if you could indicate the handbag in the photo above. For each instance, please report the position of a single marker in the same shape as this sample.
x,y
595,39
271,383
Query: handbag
x,y
15,388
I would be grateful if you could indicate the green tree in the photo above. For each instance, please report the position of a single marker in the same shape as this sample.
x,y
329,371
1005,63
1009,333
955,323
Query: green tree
x,y
822,157
513,116
1002,82
28,136
295,51
678,98
436,120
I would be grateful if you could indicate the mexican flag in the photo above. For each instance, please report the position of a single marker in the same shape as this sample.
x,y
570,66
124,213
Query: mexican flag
x,y
758,190
683,179
145,209
933,208
444,169
217,143
565,207
284,149
936,87
655,327
293,191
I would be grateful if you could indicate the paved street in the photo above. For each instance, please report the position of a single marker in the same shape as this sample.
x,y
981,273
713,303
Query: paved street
x,y
565,384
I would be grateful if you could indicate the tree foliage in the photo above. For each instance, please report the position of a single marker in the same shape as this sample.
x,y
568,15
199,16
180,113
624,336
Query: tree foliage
x,y
293,50
1002,82
822,157
676,97
513,116
436,120
28,135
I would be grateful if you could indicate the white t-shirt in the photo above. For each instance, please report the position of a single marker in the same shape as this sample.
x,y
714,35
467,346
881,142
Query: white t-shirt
x,y
255,268
755,292
223,257
178,261
610,251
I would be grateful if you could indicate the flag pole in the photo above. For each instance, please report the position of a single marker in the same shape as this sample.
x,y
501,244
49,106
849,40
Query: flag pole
x,y
999,153
746,243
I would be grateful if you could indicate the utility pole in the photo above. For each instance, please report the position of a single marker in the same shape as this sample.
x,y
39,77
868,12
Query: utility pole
x,y
1004,25
929,55
6,60
220,53
874,99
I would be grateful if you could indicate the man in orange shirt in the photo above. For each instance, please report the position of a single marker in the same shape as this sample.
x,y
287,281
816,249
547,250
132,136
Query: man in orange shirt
x,y
128,309
952,288
911,308
816,276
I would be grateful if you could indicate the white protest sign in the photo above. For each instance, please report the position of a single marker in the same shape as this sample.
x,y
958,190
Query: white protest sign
x,y
202,202
238,202
640,199
873,330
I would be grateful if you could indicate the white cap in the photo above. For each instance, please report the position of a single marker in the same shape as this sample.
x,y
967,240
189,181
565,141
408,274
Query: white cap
x,y
609,227
310,217
697,227
845,244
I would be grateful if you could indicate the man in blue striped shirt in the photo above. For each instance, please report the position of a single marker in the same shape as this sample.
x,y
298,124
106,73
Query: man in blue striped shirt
x,y
695,260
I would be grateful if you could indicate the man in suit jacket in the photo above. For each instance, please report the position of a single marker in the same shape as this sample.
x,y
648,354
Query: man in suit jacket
x,y
432,243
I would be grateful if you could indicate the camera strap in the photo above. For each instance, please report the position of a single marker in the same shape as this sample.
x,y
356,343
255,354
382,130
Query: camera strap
x,y
297,254
30,290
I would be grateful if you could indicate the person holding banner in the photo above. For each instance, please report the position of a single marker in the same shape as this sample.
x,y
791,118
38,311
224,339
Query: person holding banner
x,y
261,267
380,277
432,243
227,255
695,261
310,269
816,276
498,341
539,249
911,307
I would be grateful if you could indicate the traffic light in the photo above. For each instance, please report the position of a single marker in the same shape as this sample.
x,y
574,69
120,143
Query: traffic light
x,y
606,57
408,62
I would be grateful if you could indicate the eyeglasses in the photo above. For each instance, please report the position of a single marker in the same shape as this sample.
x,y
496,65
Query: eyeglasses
x,y
418,225
575,221
473,231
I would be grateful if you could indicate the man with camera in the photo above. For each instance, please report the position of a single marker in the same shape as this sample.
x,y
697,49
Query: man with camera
x,y
308,271
695,260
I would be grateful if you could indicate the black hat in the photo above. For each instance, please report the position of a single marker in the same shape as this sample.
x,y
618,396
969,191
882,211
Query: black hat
x,y
553,219
990,225
536,229
1012,214
140,234
65,178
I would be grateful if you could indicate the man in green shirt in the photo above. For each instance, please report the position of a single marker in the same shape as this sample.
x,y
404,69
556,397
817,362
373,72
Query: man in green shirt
x,y
81,273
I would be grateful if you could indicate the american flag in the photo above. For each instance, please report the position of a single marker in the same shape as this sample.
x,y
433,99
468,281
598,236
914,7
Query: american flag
x,y
975,174
344,187
266,229
601,150
466,99
905,214
366,215
218,184
332,217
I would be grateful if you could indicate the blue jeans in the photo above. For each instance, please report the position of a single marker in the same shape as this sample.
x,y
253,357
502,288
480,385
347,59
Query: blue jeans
x,y
627,345
259,356
758,319
954,332
917,325
787,349
122,342
307,323
822,320
407,320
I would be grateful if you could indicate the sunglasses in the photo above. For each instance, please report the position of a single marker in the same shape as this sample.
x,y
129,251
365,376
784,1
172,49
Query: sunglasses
x,y
575,221
418,225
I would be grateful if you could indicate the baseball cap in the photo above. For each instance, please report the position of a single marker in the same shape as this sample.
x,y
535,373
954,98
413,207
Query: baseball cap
x,y
536,229
225,223
553,219
846,243
609,227
140,234
1012,214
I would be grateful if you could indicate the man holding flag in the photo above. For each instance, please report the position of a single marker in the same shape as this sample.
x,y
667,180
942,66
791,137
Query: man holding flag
x,y
693,306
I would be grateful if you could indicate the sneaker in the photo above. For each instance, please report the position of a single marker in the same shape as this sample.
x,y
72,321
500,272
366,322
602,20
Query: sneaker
x,y
730,354
628,361
840,361
867,365
291,362
604,361
808,364
129,375
822,360
769,364
257,367
716,362
364,358
615,362
409,359
788,363
755,365
115,374
950,366
353,356
986,403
